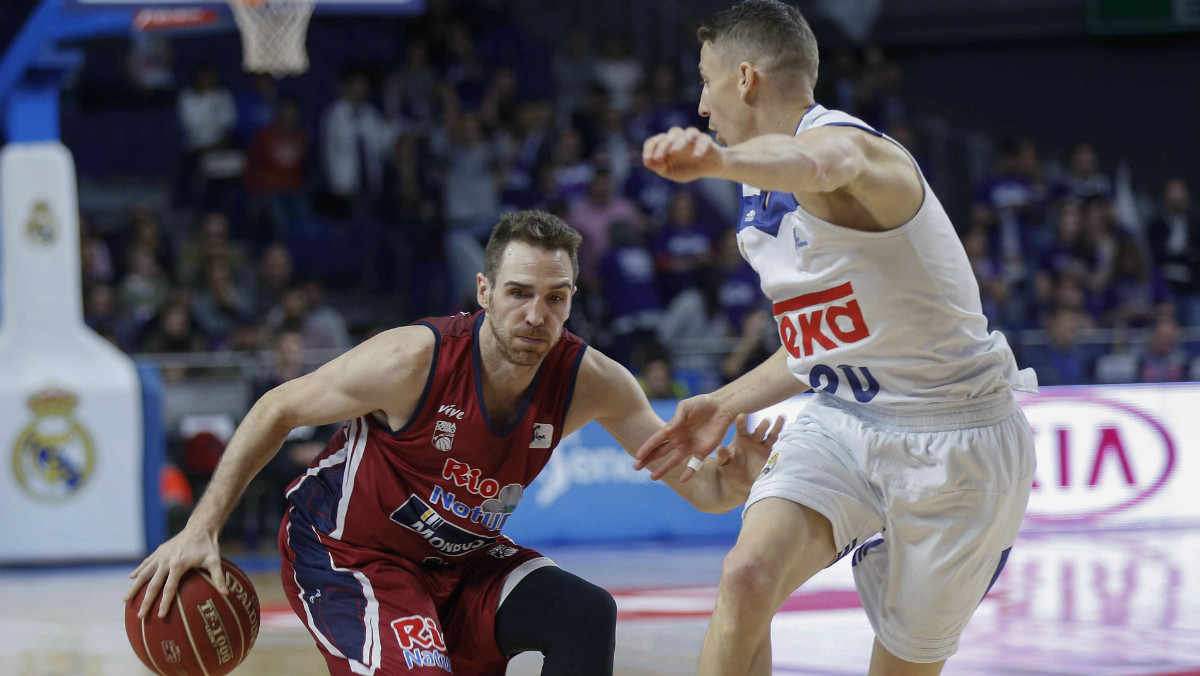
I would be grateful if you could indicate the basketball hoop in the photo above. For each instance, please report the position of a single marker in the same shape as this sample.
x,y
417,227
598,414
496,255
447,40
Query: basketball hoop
x,y
273,33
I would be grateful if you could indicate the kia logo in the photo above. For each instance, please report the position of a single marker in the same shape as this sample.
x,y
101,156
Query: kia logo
x,y
1095,457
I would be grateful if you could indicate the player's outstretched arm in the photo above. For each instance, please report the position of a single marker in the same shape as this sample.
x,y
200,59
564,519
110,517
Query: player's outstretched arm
x,y
823,159
385,373
872,170
700,423
609,394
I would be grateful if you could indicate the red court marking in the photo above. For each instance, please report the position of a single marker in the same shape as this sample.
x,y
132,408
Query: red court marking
x,y
665,603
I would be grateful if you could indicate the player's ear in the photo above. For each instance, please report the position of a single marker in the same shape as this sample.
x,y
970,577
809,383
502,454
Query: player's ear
x,y
748,80
481,290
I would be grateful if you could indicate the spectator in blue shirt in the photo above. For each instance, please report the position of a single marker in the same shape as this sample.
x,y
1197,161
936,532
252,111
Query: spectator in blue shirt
x,y
1062,361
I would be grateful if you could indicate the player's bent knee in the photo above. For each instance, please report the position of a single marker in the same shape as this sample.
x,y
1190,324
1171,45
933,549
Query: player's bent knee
x,y
572,622
592,609
745,577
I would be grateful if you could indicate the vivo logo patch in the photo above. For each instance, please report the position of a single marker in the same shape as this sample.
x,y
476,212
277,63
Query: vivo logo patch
x,y
1095,457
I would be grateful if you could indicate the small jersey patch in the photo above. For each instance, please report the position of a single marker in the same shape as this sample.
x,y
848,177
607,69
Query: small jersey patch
x,y
543,434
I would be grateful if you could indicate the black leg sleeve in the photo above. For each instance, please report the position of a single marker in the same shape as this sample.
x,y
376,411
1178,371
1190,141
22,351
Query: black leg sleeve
x,y
571,621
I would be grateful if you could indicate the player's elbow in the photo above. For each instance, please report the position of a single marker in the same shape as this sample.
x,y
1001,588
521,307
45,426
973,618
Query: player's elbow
x,y
273,414
718,501
719,506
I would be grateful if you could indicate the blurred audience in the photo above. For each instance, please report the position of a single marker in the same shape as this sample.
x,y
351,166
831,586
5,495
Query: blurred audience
x,y
355,141
1062,361
1174,241
626,282
413,176
681,247
275,173
1084,180
1164,360
594,216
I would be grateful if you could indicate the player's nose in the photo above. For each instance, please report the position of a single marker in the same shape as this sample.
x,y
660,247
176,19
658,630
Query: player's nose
x,y
535,313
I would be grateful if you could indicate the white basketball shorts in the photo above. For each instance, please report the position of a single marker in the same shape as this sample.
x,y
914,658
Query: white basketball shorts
x,y
947,492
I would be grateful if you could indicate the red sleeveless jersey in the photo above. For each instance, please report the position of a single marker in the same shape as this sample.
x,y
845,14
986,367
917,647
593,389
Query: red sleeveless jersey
x,y
444,485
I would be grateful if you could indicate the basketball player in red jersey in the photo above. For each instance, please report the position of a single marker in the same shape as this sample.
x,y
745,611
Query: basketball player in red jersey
x,y
392,552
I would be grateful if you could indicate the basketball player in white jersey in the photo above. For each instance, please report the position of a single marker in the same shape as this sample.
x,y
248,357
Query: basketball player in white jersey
x,y
912,447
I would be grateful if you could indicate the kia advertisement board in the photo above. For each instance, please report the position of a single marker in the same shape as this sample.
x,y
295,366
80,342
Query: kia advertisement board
x,y
1115,456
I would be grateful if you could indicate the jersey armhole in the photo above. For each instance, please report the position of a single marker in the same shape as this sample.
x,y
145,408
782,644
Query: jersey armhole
x,y
433,365
912,160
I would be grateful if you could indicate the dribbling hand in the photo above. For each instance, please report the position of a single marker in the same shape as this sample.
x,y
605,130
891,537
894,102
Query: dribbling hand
x,y
163,569
682,154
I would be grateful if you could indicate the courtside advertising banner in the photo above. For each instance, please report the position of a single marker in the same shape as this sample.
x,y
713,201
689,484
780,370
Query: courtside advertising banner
x,y
1108,457
589,492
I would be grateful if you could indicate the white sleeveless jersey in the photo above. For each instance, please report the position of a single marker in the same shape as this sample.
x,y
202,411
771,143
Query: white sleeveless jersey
x,y
890,319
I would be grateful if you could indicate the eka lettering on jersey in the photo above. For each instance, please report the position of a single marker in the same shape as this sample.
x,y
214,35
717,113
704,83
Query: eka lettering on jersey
x,y
823,319
418,516
422,642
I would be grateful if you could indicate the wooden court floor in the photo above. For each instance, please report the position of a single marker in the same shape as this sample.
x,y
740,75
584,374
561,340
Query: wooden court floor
x,y
1077,604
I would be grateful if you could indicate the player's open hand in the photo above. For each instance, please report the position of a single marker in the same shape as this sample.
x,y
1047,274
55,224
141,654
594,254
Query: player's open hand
x,y
741,461
682,154
162,570
698,426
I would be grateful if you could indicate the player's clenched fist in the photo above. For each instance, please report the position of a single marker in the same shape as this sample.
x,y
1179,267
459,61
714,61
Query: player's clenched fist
x,y
682,154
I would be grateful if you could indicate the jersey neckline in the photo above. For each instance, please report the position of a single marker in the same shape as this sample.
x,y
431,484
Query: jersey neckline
x,y
477,368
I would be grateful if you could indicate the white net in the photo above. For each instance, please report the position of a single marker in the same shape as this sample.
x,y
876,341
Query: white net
x,y
273,34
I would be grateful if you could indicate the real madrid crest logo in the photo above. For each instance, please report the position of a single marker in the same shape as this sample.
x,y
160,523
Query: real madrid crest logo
x,y
54,456
42,227
770,465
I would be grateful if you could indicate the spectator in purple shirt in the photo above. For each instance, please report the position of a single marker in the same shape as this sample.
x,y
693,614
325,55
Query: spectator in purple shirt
x,y
1164,360
740,286
1136,296
628,289
681,247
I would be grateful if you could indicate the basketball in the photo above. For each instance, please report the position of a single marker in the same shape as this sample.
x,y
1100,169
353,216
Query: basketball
x,y
204,633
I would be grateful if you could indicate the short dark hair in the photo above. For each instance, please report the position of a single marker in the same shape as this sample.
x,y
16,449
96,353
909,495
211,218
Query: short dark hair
x,y
536,228
775,33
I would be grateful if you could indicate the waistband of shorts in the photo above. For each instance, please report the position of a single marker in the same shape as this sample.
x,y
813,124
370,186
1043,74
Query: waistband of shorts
x,y
934,416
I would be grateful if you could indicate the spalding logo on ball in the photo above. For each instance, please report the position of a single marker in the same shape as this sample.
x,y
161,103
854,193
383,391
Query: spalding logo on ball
x,y
204,633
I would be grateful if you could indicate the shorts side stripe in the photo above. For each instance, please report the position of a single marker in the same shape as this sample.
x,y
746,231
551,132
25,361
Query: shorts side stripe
x,y
323,576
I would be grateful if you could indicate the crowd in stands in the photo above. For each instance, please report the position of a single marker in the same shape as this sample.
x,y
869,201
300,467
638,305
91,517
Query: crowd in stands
x,y
390,186
1061,254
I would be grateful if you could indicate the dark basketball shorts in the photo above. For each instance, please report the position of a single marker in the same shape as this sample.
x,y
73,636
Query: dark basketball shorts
x,y
371,612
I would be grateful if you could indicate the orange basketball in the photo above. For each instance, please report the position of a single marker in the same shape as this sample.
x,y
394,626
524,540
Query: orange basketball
x,y
204,633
